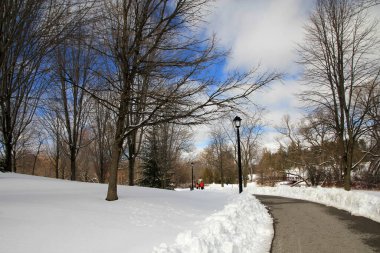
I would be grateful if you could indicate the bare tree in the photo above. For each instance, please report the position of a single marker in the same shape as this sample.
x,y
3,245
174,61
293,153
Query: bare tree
x,y
133,146
210,162
159,70
23,150
219,146
102,123
53,127
28,31
40,141
373,137
318,136
251,130
340,58
294,143
73,60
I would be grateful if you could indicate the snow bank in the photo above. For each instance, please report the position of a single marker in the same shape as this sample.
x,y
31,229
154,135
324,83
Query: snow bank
x,y
243,226
359,203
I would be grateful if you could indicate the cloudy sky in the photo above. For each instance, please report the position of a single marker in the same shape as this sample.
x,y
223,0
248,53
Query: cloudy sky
x,y
263,32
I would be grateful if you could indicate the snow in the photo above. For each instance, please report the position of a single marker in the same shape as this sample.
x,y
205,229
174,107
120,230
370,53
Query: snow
x,y
360,203
42,215
242,226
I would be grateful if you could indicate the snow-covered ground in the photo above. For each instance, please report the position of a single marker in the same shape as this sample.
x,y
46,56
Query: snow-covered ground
x,y
361,203
42,215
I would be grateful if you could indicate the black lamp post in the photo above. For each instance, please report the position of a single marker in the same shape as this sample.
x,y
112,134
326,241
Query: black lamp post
x,y
192,176
237,121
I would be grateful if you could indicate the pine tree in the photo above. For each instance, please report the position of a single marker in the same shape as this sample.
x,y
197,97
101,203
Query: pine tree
x,y
157,157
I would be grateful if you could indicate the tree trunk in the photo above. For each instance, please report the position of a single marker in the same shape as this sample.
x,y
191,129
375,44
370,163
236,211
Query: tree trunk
x,y
131,170
348,166
101,169
112,180
347,176
63,172
101,151
221,170
34,164
13,159
57,153
56,163
117,148
36,157
245,176
8,157
131,139
56,169
72,165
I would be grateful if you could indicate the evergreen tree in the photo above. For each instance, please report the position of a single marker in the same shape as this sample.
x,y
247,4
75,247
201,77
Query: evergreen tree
x,y
154,173
160,155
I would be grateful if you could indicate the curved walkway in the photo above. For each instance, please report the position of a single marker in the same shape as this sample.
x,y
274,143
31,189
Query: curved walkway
x,y
302,226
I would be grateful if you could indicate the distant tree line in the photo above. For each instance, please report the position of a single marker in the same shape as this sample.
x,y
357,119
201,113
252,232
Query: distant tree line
x,y
308,150
217,163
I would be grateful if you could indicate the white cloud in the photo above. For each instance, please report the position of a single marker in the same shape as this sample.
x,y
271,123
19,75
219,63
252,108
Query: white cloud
x,y
262,31
269,140
279,99
201,135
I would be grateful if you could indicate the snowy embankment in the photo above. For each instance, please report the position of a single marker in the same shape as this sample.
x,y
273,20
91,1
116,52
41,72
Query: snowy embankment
x,y
43,215
242,226
361,203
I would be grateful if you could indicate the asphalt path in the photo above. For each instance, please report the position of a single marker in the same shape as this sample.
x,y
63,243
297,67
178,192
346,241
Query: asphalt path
x,y
306,227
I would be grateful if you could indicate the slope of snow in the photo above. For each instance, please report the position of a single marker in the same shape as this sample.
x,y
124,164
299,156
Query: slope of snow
x,y
361,203
42,215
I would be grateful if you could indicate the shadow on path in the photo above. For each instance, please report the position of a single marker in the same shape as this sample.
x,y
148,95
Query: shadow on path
x,y
360,225
302,226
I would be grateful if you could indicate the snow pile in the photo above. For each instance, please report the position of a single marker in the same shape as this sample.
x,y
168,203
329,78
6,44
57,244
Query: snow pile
x,y
227,187
359,203
243,226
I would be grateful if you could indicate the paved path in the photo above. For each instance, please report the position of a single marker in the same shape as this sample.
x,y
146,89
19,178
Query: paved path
x,y
302,226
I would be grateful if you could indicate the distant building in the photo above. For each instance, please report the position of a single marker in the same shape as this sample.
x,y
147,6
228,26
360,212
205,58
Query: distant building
x,y
295,174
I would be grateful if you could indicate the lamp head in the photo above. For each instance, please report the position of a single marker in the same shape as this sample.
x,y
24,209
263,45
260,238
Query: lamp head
x,y
237,121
